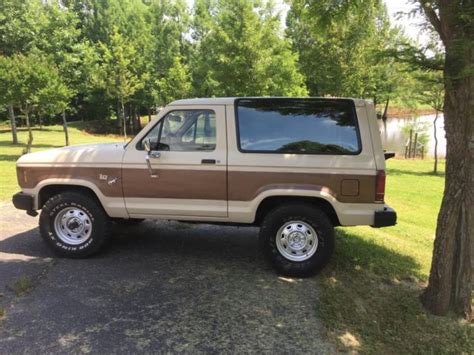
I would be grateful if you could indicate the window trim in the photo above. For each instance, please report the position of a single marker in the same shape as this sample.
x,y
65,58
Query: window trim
x,y
139,145
246,151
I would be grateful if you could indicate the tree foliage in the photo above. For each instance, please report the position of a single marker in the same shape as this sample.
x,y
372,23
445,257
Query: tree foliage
x,y
32,82
241,51
344,46
120,58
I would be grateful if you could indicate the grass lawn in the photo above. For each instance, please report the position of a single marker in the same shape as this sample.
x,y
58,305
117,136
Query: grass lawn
x,y
369,299
47,138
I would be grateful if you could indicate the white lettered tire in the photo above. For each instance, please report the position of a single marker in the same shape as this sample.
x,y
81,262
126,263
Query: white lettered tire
x,y
73,224
297,239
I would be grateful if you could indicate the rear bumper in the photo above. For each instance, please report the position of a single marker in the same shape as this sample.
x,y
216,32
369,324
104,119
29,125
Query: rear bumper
x,y
385,218
23,201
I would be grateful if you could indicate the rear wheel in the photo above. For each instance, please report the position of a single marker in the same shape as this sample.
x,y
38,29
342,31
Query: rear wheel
x,y
297,239
73,225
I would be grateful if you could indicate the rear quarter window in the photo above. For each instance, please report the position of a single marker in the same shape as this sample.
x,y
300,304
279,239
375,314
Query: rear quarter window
x,y
297,126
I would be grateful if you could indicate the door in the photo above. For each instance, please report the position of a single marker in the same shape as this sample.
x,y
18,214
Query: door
x,y
187,170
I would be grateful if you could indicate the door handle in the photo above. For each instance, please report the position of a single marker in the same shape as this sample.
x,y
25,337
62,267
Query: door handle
x,y
150,168
208,161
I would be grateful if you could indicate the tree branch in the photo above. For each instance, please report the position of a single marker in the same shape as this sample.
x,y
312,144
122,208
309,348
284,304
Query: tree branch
x,y
433,18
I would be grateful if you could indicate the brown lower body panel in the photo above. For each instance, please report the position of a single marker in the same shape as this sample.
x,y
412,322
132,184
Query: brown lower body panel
x,y
245,185
204,184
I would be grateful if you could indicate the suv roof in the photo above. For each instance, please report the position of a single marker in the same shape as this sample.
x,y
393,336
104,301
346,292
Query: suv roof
x,y
231,100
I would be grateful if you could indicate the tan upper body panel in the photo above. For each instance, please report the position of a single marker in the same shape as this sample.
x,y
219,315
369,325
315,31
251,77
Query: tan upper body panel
x,y
94,163
104,154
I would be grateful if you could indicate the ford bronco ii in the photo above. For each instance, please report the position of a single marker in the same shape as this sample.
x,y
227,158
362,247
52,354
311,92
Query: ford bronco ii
x,y
295,167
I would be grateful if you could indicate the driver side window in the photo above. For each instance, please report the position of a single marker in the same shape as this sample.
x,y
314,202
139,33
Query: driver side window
x,y
185,131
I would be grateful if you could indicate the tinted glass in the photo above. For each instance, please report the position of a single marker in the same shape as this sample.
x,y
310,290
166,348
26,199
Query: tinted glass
x,y
302,126
187,130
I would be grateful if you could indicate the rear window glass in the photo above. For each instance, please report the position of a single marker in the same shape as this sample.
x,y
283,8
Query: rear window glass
x,y
298,126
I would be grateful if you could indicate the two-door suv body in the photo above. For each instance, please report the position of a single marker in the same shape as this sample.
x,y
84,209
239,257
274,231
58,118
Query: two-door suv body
x,y
296,167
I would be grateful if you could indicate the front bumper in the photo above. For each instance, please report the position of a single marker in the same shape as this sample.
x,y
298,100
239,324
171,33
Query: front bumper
x,y
385,218
25,202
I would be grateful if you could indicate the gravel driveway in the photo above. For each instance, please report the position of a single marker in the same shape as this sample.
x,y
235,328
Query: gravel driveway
x,y
157,287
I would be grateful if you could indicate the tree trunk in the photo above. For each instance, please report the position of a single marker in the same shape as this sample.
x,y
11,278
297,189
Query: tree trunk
x,y
435,169
30,133
11,113
139,123
122,118
149,115
119,118
66,133
133,118
450,282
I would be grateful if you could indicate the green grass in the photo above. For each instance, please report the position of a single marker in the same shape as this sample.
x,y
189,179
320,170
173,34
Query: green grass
x,y
47,138
370,294
22,285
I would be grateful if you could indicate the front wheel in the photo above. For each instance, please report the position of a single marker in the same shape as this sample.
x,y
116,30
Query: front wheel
x,y
73,225
297,239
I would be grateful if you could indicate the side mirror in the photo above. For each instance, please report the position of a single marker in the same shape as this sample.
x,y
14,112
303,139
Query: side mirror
x,y
147,145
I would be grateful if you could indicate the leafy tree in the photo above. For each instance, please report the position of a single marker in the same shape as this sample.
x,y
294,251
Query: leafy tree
x,y
425,66
241,51
432,94
20,22
20,25
62,45
175,85
170,22
98,21
7,98
343,48
450,282
117,73
46,27
33,83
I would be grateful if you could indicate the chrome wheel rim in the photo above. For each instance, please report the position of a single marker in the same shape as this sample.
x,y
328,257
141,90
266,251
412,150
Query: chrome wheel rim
x,y
297,241
73,226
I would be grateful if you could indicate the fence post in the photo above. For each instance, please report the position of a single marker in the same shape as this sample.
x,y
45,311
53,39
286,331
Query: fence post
x,y
414,147
409,143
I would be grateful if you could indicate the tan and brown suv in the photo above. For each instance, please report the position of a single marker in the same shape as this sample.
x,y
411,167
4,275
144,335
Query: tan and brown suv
x,y
296,167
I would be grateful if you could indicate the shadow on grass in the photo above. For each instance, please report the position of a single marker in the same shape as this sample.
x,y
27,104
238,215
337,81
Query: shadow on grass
x,y
23,145
6,157
370,303
398,172
34,129
352,249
